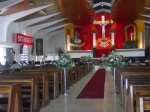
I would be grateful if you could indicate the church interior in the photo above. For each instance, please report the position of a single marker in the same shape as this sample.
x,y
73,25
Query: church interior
x,y
109,37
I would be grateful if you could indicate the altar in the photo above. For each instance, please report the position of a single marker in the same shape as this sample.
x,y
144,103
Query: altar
x,y
131,52
79,53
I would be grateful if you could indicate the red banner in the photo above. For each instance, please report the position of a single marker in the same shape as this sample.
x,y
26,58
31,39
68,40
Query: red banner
x,y
24,39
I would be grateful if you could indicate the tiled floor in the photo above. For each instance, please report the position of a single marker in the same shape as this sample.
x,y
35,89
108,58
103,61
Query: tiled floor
x,y
69,103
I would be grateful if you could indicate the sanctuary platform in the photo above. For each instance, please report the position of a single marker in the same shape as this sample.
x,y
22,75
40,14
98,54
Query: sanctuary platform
x,y
79,53
131,52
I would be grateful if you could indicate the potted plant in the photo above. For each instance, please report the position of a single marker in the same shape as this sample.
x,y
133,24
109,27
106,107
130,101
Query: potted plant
x,y
59,51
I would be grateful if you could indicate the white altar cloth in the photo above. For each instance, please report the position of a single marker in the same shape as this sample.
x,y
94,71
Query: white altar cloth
x,y
79,53
131,52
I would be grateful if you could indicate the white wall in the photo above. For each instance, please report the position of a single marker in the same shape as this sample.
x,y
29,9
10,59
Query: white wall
x,y
55,40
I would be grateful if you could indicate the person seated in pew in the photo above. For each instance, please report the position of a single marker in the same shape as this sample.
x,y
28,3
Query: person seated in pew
x,y
126,63
15,65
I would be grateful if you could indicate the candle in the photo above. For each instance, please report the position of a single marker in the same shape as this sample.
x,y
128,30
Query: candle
x,y
68,42
103,19
112,38
94,39
141,39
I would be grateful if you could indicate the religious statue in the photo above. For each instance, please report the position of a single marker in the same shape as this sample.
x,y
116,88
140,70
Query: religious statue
x,y
131,35
76,39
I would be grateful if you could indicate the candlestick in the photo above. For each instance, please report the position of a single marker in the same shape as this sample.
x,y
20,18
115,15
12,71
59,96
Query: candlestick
x,y
94,39
140,39
112,38
68,42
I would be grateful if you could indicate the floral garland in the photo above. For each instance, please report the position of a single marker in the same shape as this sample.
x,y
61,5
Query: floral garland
x,y
64,61
113,60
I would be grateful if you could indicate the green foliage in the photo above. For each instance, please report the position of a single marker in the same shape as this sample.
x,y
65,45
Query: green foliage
x,y
59,51
130,44
88,59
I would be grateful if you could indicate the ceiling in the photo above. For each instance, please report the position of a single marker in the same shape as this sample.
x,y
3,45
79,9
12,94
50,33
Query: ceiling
x,y
76,11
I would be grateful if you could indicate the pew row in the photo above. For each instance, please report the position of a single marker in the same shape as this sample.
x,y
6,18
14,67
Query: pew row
x,y
13,91
27,82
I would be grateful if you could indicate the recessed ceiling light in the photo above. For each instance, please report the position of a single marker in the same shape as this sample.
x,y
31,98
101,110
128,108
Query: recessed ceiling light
x,y
102,5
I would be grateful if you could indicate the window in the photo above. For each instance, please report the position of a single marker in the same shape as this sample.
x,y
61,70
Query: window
x,y
24,55
3,55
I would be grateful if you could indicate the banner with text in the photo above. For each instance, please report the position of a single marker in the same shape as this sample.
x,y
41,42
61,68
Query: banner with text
x,y
24,39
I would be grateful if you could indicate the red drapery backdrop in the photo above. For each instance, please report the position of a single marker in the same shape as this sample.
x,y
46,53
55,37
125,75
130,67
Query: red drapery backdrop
x,y
119,37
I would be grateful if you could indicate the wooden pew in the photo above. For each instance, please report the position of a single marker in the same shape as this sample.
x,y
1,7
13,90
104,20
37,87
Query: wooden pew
x,y
122,82
142,103
74,73
53,81
133,89
139,79
79,71
14,97
120,70
121,76
43,79
27,82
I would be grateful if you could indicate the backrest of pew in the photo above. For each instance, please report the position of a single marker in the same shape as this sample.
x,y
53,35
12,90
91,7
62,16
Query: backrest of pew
x,y
141,89
129,81
13,90
28,82
142,103
43,79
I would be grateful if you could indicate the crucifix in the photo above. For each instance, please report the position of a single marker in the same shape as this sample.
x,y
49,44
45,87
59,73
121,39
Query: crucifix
x,y
103,23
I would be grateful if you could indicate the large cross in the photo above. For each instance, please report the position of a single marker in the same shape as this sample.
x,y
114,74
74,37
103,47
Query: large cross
x,y
103,23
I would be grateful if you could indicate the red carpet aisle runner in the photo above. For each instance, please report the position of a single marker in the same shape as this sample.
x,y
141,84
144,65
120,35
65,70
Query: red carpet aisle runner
x,y
95,87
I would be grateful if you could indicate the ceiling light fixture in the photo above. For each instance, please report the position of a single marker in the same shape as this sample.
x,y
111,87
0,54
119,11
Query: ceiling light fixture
x,y
41,11
31,3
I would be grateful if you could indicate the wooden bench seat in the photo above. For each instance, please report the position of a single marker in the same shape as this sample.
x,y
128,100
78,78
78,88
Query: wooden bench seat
x,y
121,81
43,80
142,89
53,81
133,80
142,103
27,82
13,91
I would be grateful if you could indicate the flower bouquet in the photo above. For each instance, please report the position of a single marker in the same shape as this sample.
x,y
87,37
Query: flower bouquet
x,y
88,59
64,61
82,59
113,60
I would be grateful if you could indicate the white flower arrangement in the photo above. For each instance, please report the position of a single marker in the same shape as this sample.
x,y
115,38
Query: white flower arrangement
x,y
64,61
113,60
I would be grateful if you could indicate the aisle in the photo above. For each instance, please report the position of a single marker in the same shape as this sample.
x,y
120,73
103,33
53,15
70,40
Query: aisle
x,y
69,103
